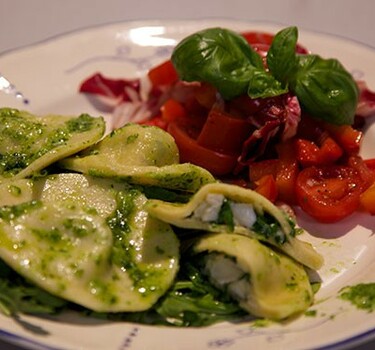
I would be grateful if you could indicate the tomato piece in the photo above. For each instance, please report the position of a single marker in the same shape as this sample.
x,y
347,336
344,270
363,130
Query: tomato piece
x,y
365,173
370,163
255,38
329,152
155,121
307,152
163,74
367,200
286,172
346,136
330,193
266,186
171,110
223,133
190,151
261,168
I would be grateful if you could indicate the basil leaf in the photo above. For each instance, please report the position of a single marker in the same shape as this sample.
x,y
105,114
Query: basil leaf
x,y
325,89
281,56
263,85
224,59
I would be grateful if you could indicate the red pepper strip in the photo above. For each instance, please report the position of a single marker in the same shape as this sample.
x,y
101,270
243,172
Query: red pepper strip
x,y
190,151
223,133
286,172
261,168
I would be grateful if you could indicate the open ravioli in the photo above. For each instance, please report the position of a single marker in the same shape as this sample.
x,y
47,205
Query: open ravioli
x,y
220,207
29,143
144,155
89,241
265,283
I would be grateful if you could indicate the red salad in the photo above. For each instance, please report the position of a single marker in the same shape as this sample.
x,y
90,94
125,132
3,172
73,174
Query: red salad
x,y
271,144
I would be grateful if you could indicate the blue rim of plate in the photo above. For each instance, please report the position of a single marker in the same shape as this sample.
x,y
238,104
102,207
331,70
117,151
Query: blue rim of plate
x,y
347,343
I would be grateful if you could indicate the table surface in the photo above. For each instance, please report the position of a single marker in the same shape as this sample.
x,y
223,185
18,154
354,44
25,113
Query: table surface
x,y
24,23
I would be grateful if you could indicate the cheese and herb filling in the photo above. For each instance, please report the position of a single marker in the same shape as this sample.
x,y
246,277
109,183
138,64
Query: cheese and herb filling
x,y
265,283
220,207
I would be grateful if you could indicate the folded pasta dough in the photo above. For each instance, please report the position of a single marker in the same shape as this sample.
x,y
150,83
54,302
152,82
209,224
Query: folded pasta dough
x,y
265,283
139,154
245,204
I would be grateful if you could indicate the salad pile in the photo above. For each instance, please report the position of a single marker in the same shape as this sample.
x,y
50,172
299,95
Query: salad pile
x,y
261,111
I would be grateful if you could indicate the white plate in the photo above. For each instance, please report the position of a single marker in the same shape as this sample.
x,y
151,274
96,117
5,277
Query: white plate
x,y
48,75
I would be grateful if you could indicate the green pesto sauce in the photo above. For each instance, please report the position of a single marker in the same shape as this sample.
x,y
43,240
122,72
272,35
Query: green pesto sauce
x,y
23,140
123,251
361,295
268,227
311,313
82,123
8,213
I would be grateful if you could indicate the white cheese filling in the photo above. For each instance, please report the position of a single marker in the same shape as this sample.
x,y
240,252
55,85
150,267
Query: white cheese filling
x,y
209,210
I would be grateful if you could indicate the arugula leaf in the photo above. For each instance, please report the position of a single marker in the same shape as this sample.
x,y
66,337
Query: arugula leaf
x,y
224,59
19,296
192,301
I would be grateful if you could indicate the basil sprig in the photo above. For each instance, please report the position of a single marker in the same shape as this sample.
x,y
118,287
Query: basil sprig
x,y
223,58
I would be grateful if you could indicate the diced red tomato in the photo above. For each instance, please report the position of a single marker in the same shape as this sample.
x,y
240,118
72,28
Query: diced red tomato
x,y
171,110
329,152
308,153
163,74
370,163
156,121
258,39
329,193
346,136
366,175
367,200
266,186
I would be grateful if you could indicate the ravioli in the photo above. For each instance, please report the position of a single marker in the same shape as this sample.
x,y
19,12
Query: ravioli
x,y
29,143
89,241
137,154
265,283
278,233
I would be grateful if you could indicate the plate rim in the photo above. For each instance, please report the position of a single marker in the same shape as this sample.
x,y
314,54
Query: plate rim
x,y
349,341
